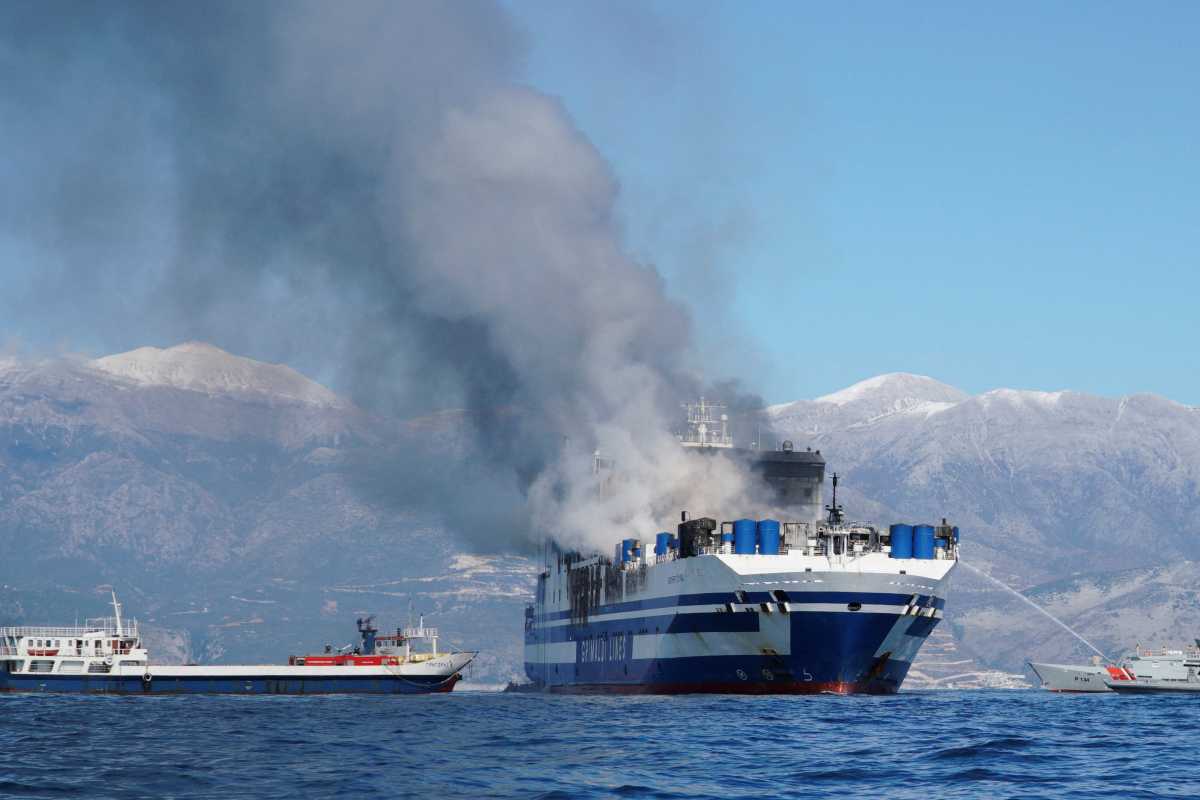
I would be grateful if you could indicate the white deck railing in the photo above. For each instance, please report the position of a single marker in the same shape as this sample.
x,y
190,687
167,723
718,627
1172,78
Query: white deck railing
x,y
107,627
420,633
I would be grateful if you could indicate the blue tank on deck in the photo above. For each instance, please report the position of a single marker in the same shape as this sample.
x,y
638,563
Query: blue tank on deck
x,y
627,550
902,541
726,537
955,529
922,541
768,537
662,543
745,536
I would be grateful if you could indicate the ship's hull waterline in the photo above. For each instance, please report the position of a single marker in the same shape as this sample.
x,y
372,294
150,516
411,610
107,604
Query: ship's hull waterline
x,y
136,685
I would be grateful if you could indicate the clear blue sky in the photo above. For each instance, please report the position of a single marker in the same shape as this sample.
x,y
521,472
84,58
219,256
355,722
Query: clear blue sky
x,y
994,195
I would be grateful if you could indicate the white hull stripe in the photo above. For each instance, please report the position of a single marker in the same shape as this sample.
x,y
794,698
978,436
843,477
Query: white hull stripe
x,y
773,609
683,645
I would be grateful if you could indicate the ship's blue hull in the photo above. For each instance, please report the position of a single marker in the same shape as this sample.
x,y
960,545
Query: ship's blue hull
x,y
107,684
843,652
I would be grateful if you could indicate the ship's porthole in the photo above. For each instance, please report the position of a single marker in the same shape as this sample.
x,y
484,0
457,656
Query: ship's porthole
x,y
855,606
741,673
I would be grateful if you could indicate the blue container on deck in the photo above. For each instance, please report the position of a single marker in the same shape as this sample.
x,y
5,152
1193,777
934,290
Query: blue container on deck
x,y
627,550
902,541
768,537
726,537
745,536
922,541
955,529
662,543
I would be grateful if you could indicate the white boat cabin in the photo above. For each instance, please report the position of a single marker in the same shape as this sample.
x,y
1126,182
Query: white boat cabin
x,y
107,645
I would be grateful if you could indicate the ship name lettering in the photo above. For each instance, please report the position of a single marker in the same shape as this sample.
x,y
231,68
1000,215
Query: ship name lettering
x,y
603,647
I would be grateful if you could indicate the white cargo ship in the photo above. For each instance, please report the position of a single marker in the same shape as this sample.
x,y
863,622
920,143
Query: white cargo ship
x,y
804,605
106,655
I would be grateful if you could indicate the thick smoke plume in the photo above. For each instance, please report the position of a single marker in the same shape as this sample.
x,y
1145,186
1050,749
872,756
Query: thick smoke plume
x,y
363,190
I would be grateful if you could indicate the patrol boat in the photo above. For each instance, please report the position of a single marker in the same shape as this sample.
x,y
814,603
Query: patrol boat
x,y
1147,671
796,606
106,655
1159,671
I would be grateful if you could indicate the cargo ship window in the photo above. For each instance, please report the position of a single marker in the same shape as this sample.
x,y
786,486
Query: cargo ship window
x,y
855,606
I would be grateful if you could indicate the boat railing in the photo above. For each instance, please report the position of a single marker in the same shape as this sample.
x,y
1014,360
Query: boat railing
x,y
1187,652
420,633
103,627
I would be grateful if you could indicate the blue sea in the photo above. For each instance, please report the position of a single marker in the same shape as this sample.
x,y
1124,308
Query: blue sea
x,y
1019,744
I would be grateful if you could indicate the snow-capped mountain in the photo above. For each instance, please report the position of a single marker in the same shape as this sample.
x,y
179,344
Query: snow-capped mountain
x,y
1069,474
1046,486
864,402
200,367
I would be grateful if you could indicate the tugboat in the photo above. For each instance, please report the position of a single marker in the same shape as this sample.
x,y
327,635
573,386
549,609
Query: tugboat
x,y
106,655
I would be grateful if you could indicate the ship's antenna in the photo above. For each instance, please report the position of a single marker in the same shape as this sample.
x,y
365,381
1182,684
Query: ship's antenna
x,y
117,612
835,511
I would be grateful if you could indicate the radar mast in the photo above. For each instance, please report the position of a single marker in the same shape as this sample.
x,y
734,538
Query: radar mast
x,y
707,425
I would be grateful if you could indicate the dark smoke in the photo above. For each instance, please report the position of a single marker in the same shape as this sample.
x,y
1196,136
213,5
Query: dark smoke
x,y
365,191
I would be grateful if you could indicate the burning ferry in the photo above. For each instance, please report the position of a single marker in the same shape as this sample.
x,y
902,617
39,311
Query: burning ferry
x,y
106,655
795,606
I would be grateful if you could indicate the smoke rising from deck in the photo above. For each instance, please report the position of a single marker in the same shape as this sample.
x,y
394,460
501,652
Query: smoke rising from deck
x,y
364,191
